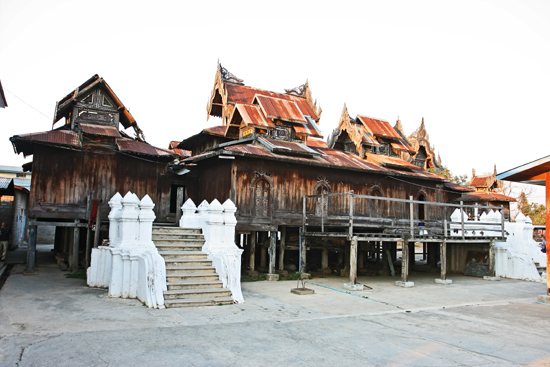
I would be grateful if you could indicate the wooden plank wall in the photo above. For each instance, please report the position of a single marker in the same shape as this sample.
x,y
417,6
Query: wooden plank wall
x,y
63,178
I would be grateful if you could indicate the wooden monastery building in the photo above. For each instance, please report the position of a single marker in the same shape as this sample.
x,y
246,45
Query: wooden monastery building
x,y
78,166
293,191
302,204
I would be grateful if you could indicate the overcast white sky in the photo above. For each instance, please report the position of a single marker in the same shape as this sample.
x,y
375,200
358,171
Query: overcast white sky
x,y
477,71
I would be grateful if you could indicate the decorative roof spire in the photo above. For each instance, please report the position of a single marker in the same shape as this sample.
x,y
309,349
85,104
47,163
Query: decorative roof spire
x,y
227,76
299,91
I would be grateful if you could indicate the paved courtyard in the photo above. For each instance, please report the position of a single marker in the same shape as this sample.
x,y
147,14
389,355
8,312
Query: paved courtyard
x,y
48,319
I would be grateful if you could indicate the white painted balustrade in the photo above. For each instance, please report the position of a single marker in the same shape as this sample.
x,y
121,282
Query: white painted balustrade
x,y
130,266
218,222
515,258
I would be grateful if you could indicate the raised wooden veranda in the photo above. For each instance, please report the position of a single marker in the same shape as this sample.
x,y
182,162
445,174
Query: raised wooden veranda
x,y
425,222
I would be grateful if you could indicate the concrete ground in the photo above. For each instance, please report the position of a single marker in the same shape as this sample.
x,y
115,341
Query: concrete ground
x,y
48,319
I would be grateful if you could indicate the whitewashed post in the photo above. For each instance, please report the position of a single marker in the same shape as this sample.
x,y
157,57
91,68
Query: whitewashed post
x,y
214,225
114,219
129,224
230,222
189,216
146,218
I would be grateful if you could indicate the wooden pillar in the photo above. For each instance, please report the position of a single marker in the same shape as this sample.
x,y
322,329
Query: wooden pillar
x,y
303,255
179,203
492,258
412,254
353,261
31,249
272,251
405,261
76,246
97,232
443,251
282,246
252,251
340,258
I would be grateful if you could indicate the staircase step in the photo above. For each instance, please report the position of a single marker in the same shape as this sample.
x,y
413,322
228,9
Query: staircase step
x,y
173,230
197,293
185,263
173,303
195,284
178,270
179,277
171,254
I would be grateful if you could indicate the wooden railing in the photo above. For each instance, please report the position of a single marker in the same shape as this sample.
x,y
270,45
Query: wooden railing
x,y
346,214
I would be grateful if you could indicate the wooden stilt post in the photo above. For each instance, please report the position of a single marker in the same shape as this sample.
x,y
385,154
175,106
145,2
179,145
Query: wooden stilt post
x,y
272,251
31,249
97,226
303,255
252,253
89,206
405,261
353,261
492,258
76,246
444,259
324,259
282,249
179,203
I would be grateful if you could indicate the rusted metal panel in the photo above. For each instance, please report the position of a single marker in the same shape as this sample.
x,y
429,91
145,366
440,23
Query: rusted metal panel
x,y
486,196
252,116
244,94
25,143
99,130
379,127
133,146
282,109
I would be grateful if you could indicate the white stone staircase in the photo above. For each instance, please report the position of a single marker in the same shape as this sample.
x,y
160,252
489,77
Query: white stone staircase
x,y
191,278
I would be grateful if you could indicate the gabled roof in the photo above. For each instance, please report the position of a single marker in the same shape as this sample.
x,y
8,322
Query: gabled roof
x,y
486,196
64,107
64,137
379,128
281,109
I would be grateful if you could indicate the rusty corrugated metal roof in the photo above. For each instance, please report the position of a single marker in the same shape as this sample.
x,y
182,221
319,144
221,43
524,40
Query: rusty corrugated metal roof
x,y
482,181
385,160
138,147
401,145
379,127
94,129
282,109
243,94
486,196
252,116
457,187
316,143
58,137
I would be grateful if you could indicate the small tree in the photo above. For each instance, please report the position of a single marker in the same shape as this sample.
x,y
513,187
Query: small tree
x,y
446,172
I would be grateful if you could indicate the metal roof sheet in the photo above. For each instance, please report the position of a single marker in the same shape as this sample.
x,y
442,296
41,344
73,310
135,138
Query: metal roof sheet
x,y
94,129
486,196
138,147
457,187
252,116
282,109
56,137
379,127
4,182
244,94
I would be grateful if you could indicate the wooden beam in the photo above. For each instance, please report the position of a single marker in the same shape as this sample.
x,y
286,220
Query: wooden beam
x,y
76,247
444,259
31,250
282,249
272,252
405,261
353,261
492,258
252,250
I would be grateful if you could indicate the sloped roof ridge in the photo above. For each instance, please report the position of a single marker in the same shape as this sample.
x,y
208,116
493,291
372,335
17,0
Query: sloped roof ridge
x,y
374,118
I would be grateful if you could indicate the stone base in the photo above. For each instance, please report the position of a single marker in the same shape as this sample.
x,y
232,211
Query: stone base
x,y
305,276
492,279
283,273
252,273
272,277
404,284
302,291
543,299
443,281
353,287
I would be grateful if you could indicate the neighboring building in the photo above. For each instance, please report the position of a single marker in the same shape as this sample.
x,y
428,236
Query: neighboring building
x,y
485,194
88,159
268,153
14,196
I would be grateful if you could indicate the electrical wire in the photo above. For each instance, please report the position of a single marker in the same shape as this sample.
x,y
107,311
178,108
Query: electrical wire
x,y
28,104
